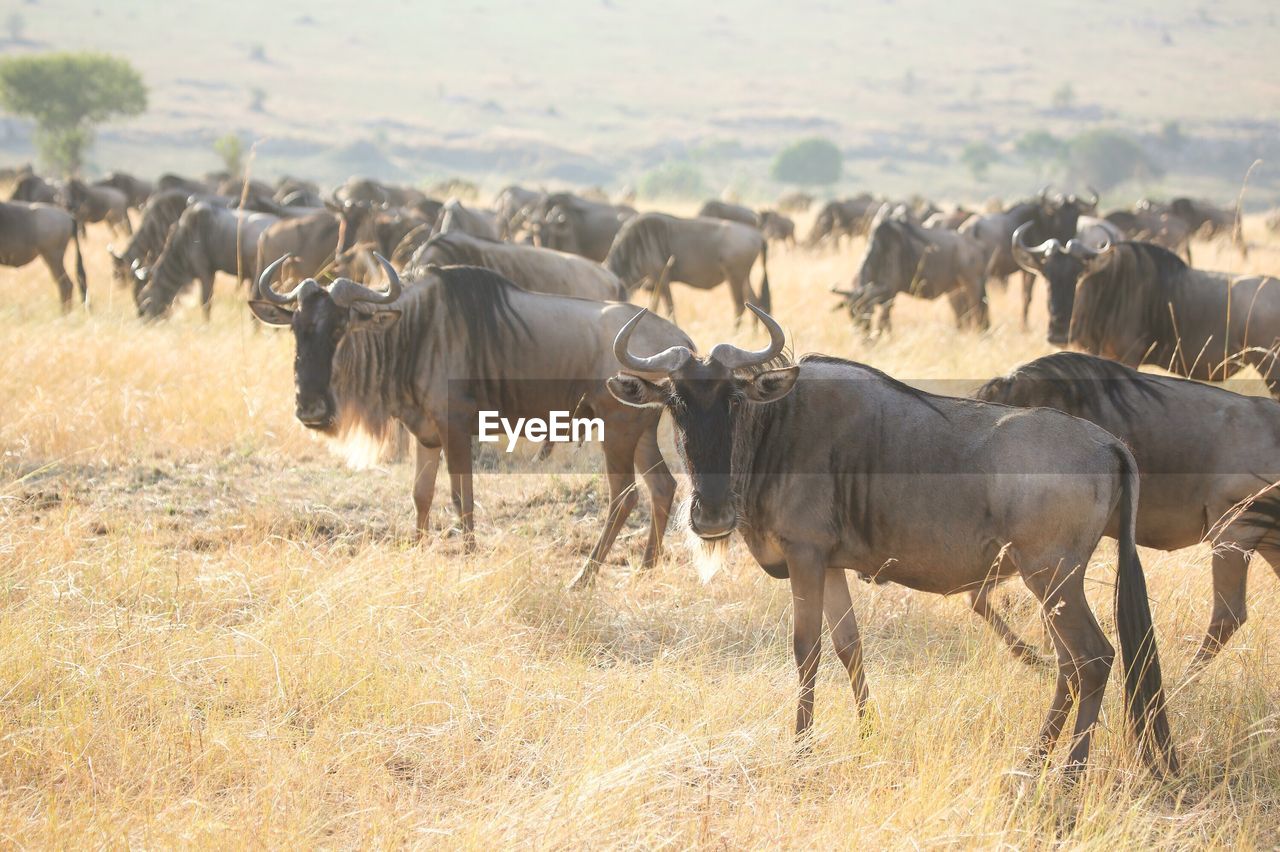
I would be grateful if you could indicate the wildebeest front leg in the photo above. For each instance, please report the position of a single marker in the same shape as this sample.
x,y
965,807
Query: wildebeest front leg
x,y
808,577
838,606
457,453
662,489
1028,291
206,296
739,288
619,460
1230,579
424,485
980,602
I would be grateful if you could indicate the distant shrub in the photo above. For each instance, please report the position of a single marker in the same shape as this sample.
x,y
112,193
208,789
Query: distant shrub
x,y
1105,158
809,161
978,157
231,150
674,179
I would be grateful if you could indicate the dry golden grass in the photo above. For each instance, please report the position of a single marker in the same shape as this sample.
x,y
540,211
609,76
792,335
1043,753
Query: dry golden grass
x,y
214,634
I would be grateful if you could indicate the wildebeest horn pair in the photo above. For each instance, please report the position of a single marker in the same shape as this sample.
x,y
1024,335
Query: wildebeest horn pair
x,y
344,291
672,359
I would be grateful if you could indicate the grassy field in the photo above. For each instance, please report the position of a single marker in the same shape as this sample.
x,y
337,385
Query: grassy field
x,y
215,634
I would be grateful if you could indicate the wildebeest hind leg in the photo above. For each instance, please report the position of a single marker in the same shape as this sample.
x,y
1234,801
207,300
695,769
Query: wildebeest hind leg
x,y
457,453
60,277
1230,578
662,490
206,296
980,602
838,607
1084,654
619,460
1028,292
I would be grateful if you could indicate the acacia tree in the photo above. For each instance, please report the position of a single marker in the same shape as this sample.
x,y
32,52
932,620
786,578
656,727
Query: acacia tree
x,y
68,94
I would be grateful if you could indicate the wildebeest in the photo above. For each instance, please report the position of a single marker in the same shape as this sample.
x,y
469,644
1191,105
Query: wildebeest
x,y
296,192
34,189
160,214
512,206
1050,217
377,192
903,257
90,204
777,227
313,241
716,209
850,217
189,185
463,340
477,223
795,202
536,269
829,466
136,190
949,220
1209,460
1138,303
206,240
1151,223
657,248
565,222
1061,265
1174,224
28,231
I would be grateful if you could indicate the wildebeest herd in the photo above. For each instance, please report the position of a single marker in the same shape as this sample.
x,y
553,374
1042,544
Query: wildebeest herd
x,y
416,313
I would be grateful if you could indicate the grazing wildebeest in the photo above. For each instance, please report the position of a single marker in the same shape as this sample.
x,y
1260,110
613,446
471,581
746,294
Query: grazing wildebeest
x,y
1138,303
158,218
795,202
313,241
136,190
90,204
1050,217
716,209
191,186
377,192
565,222
903,257
1209,460
536,269
848,218
949,220
296,192
1061,265
513,206
477,223
34,189
1151,223
206,240
777,227
28,231
463,340
829,466
657,249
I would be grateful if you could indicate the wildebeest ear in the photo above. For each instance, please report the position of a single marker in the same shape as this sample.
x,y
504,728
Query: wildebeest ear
x,y
771,385
270,312
372,320
636,392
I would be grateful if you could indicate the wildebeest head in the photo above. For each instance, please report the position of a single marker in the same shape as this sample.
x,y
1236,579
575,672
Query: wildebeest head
x,y
1061,265
323,317
889,266
1059,214
705,397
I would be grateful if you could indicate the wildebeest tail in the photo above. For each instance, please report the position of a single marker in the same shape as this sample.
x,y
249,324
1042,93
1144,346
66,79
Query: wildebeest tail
x,y
766,300
81,279
1143,689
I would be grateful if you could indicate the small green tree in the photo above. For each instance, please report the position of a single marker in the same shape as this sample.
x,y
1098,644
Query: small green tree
x,y
68,94
1041,149
978,157
809,161
231,150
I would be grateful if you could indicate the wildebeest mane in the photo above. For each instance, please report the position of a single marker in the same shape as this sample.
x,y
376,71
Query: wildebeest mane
x,y
1138,284
158,218
1079,384
640,250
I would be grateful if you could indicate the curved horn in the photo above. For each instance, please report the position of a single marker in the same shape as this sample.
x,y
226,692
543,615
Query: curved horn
x,y
1081,249
1019,241
667,361
346,292
738,359
264,290
1093,192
